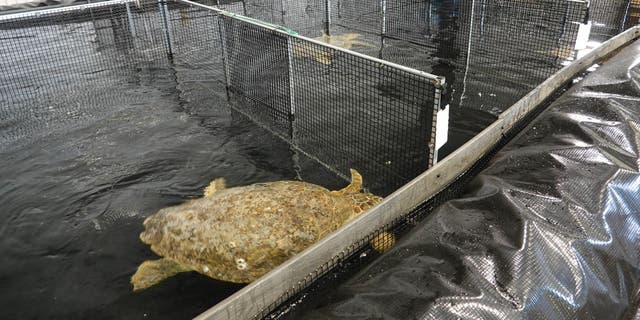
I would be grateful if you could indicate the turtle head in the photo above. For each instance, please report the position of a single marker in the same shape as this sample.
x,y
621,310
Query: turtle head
x,y
361,202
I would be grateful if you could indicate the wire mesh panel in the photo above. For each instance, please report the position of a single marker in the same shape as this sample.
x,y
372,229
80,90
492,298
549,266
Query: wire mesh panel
x,y
195,36
55,64
633,14
480,45
198,58
306,17
419,21
510,47
608,17
258,73
362,16
344,110
351,112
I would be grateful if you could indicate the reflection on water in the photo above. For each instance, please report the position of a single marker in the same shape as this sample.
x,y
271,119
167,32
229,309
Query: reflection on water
x,y
98,130
491,52
82,166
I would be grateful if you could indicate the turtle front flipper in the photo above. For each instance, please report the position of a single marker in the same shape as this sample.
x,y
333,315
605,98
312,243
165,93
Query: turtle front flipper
x,y
215,186
151,272
354,187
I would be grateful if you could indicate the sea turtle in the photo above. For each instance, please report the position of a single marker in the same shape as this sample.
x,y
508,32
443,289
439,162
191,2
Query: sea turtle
x,y
238,234
325,55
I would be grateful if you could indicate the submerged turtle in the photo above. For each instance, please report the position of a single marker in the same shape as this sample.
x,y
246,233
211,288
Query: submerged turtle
x,y
325,55
239,234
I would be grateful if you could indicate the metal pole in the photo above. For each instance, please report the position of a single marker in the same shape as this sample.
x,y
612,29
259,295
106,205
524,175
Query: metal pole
x,y
429,17
49,12
263,294
162,5
91,12
469,41
222,33
383,8
132,27
289,33
383,27
626,16
327,17
482,15
292,109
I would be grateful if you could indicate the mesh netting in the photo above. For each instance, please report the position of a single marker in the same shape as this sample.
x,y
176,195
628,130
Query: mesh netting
x,y
352,112
344,110
608,17
340,108
492,70
258,68
67,58
511,47
457,265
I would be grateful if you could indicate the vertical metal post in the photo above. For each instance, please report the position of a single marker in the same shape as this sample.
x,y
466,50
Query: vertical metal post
x,y
292,109
482,15
225,57
433,151
429,17
383,27
442,125
91,13
162,5
383,9
626,16
132,27
469,41
327,17
283,12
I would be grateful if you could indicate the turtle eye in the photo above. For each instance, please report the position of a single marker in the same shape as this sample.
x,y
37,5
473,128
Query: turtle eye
x,y
241,264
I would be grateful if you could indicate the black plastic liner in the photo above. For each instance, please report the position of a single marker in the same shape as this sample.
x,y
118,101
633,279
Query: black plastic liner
x,y
549,230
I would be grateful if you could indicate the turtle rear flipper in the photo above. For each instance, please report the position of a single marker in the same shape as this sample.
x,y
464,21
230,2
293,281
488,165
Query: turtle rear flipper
x,y
383,242
215,186
354,187
151,272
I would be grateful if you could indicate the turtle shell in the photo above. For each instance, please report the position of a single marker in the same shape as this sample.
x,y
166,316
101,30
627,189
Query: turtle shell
x,y
239,234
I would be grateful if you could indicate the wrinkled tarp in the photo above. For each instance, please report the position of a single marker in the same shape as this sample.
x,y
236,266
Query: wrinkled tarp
x,y
550,229
25,4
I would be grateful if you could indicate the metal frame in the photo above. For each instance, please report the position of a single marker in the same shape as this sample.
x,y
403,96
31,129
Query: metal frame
x,y
164,11
257,297
292,97
245,302
46,12
438,81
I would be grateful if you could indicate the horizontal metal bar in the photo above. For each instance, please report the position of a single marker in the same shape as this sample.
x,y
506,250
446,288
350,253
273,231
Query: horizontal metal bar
x,y
264,292
38,13
438,80
252,21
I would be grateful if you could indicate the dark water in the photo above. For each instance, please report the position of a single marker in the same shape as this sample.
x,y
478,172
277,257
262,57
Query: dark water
x,y
81,167
79,177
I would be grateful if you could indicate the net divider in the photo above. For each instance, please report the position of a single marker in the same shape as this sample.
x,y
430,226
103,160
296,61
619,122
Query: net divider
x,y
438,81
38,13
264,294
